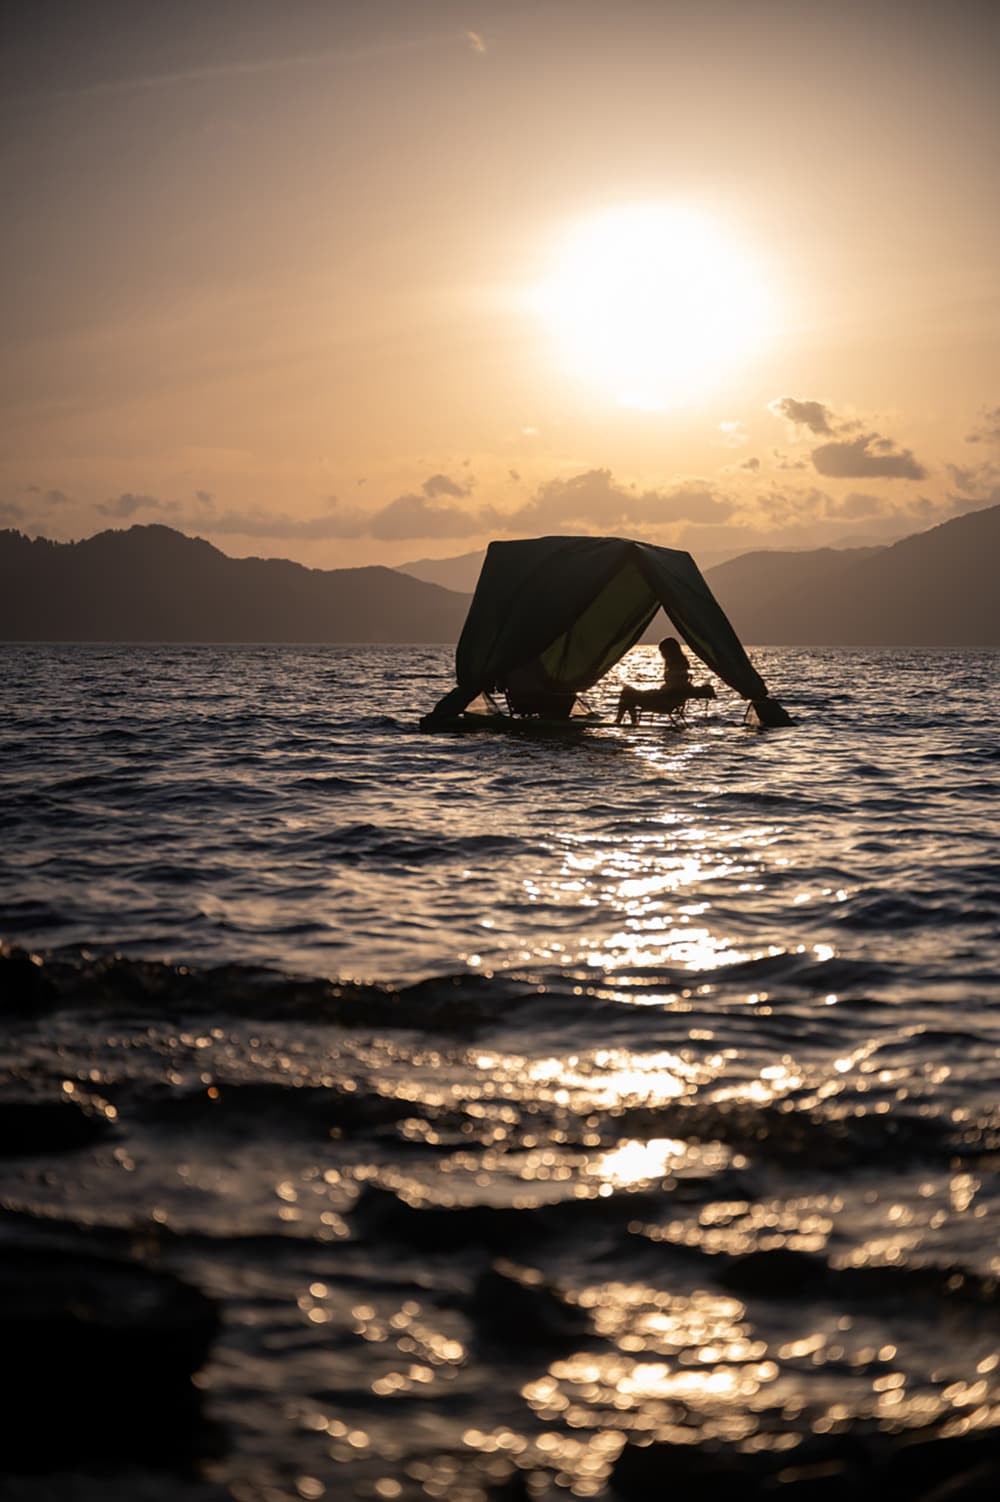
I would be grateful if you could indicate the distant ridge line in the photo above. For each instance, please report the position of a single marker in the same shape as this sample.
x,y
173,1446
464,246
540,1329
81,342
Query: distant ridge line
x,y
934,588
153,583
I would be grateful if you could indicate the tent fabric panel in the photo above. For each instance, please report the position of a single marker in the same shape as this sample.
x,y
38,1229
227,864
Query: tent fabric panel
x,y
529,594
699,618
599,637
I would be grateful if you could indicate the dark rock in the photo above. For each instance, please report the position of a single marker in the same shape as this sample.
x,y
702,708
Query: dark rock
x,y
945,1467
982,1484
512,1487
926,1281
380,1214
778,1273
781,1273
435,1227
47,1126
101,1351
661,1469
24,983
861,1462
515,1307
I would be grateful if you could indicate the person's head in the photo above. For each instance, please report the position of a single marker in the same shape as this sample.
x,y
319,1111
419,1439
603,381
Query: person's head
x,y
672,653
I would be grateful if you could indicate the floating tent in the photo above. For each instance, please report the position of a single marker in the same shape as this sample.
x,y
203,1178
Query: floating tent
x,y
552,615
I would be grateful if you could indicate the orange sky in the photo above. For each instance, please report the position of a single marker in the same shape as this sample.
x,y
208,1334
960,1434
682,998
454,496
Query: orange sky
x,y
352,283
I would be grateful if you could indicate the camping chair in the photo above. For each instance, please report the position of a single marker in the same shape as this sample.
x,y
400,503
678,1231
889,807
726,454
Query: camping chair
x,y
528,691
671,702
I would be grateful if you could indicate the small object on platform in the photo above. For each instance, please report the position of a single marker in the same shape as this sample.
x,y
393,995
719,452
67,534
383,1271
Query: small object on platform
x,y
768,714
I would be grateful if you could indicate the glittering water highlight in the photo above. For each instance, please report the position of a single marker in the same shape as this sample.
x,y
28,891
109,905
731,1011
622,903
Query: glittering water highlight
x,y
558,1113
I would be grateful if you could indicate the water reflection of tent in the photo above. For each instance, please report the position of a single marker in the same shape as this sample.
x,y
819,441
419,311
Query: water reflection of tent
x,y
551,615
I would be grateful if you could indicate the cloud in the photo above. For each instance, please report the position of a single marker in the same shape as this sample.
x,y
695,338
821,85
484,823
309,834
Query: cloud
x,y
867,457
780,508
815,416
752,463
976,486
733,435
960,504
128,503
259,522
48,497
857,505
445,485
988,430
410,516
784,508
964,477
13,510
595,498
476,41
407,517
974,479
441,508
254,522
590,500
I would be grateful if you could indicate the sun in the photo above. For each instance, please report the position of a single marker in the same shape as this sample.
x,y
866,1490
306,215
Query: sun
x,y
651,304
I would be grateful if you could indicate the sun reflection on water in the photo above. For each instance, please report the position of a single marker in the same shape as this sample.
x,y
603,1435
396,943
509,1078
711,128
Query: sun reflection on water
x,y
654,892
637,1162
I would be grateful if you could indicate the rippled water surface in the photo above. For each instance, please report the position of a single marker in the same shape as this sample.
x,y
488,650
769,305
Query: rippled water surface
x,y
537,1108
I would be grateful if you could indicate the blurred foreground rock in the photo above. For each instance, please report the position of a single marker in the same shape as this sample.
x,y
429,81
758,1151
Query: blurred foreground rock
x,y
100,1353
863,1463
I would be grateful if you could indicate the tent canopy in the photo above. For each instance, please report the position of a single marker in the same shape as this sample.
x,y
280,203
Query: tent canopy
x,y
559,612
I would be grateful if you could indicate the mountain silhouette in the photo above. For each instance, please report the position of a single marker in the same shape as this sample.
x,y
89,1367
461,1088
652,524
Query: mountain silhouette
x,y
152,583
461,573
936,588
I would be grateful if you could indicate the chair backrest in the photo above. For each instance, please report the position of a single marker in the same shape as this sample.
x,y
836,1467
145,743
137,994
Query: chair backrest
x,y
550,704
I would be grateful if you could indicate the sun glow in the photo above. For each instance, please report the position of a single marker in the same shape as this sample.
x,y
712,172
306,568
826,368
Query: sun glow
x,y
652,304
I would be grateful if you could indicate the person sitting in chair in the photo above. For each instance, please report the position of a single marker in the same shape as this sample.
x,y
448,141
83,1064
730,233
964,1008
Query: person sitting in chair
x,y
677,687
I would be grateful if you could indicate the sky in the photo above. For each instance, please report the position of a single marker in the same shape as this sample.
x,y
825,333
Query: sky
x,y
365,283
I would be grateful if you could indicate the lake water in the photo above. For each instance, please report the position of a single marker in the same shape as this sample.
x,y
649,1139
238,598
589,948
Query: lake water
x,y
537,1109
